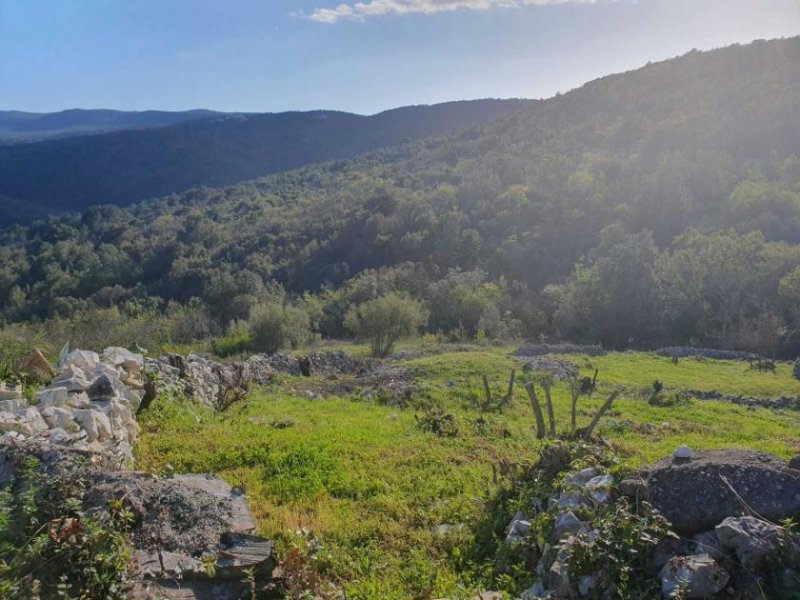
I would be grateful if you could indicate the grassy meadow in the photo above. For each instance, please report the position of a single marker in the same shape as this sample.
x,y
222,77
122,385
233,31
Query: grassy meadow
x,y
361,499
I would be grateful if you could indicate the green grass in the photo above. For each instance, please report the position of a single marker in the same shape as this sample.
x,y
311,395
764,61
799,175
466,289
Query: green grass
x,y
373,488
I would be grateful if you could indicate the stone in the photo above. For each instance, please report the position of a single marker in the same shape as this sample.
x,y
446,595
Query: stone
x,y
517,529
31,416
86,360
757,543
693,496
78,400
73,378
566,524
587,584
10,422
12,405
36,368
131,362
10,391
535,592
599,488
707,542
683,452
581,478
104,387
57,417
696,576
794,463
94,423
54,396
791,579
57,435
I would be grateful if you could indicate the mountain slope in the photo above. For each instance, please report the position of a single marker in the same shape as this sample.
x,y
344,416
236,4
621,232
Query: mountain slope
x,y
676,189
132,165
19,126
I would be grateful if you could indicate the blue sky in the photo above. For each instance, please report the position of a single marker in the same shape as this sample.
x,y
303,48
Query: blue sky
x,y
274,55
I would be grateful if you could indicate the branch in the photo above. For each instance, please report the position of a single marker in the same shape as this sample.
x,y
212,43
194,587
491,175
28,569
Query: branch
x,y
587,434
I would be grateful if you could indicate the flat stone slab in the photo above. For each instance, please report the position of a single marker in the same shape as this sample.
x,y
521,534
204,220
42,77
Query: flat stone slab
x,y
242,520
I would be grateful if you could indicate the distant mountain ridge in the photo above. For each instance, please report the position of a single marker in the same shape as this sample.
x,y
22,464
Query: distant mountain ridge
x,y
20,127
135,164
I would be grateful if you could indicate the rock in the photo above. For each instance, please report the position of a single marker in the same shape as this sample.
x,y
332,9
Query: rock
x,y
794,463
683,453
694,498
10,391
599,488
696,576
105,387
131,362
757,543
73,378
558,580
535,592
790,579
10,422
570,501
517,529
707,542
36,368
57,417
31,416
12,405
95,423
633,488
54,396
57,435
567,523
85,360
587,584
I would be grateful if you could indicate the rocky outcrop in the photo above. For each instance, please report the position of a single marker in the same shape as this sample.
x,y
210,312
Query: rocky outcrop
x,y
791,402
691,352
89,405
699,493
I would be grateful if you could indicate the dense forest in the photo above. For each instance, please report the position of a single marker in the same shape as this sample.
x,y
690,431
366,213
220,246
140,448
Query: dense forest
x,y
140,163
660,206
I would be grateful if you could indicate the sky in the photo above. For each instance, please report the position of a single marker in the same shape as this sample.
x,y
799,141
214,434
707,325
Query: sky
x,y
359,56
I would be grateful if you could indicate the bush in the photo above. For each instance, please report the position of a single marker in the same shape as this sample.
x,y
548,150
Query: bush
x,y
385,320
236,341
274,326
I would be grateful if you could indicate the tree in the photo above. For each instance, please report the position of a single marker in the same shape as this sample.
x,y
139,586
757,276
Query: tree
x,y
385,320
274,326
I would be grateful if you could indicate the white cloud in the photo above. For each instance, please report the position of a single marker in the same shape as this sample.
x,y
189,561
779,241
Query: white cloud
x,y
358,11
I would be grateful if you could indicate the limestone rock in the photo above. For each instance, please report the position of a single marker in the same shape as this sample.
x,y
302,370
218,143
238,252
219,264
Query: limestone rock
x,y
757,543
707,542
95,423
517,529
54,396
86,360
36,368
683,452
57,417
696,576
12,405
567,523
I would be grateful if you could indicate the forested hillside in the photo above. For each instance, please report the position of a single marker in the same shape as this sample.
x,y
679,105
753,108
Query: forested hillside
x,y
657,206
19,126
136,164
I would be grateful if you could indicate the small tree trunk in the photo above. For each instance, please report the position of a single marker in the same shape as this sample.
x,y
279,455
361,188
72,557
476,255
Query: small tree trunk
x,y
594,379
510,393
487,391
551,417
537,410
587,434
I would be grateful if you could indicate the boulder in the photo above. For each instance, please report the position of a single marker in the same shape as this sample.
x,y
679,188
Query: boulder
x,y
707,542
85,360
57,417
94,423
696,576
54,396
73,378
693,496
10,391
567,523
517,529
757,543
31,416
36,368
130,362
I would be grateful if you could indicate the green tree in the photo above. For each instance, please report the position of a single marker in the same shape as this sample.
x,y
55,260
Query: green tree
x,y
385,320
274,326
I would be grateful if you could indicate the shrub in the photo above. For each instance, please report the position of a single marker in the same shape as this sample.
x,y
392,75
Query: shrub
x,y
274,326
385,320
235,342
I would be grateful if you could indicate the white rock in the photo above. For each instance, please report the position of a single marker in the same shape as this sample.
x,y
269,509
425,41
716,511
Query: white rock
x,y
53,396
57,417
73,378
9,422
12,405
94,423
31,415
599,487
79,400
517,529
130,362
83,359
683,452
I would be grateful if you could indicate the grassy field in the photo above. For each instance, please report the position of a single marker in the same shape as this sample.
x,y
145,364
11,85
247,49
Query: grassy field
x,y
362,499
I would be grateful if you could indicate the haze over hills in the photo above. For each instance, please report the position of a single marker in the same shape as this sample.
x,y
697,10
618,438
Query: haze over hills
x,y
20,127
675,188
135,164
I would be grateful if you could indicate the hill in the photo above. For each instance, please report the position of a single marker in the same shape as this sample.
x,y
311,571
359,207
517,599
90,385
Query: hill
x,y
135,164
651,207
19,126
